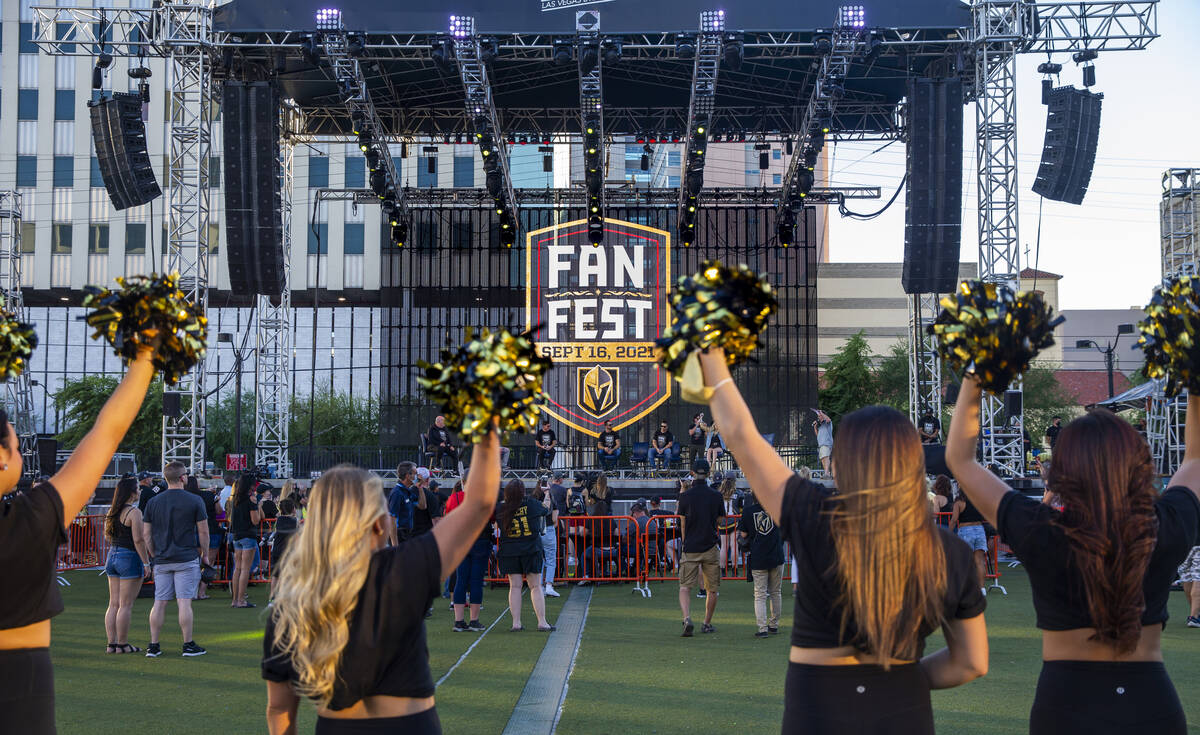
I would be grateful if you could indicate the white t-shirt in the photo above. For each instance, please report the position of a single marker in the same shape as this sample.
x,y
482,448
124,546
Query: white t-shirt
x,y
223,498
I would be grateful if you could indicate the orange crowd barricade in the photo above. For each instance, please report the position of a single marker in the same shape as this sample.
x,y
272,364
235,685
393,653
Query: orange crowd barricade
x,y
592,548
86,547
225,564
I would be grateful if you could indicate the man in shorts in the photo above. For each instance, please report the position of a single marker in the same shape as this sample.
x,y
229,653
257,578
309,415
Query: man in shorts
x,y
702,509
176,531
1189,574
823,427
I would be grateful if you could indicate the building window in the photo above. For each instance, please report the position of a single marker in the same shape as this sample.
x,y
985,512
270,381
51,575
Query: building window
x,y
426,235
672,182
356,172
214,172
98,239
25,43
460,235
318,172
28,237
319,239
464,171
214,239
64,32
64,104
135,238
777,179
354,238
27,171
673,158
427,171
776,154
96,179
60,238
27,104
64,171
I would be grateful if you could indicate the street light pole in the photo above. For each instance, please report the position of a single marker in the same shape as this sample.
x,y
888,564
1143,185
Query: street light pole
x,y
1108,351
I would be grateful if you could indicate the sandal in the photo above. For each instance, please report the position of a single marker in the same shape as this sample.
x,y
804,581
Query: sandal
x,y
203,598
546,629
246,604
110,648
126,648
517,629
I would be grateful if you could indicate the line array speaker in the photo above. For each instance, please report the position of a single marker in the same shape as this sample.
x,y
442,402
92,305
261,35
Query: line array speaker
x,y
1069,150
253,219
933,206
120,137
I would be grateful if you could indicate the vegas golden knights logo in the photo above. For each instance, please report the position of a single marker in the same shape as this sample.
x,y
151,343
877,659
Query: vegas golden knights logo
x,y
597,391
600,308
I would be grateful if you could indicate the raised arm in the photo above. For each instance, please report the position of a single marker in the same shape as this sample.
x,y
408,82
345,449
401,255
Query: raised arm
x,y
983,488
458,532
1188,474
77,479
766,472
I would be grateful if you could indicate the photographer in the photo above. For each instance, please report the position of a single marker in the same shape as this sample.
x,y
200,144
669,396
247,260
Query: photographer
x,y
759,537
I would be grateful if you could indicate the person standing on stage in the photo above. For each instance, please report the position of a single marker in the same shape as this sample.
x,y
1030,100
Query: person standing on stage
x,y
697,433
546,443
441,443
608,448
702,509
875,576
662,444
823,427
1101,568
1052,432
762,538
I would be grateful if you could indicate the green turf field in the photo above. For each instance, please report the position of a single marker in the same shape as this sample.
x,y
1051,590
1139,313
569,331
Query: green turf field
x,y
633,673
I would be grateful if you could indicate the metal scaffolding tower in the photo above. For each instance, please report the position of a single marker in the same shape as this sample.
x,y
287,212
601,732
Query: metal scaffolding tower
x,y
18,392
705,68
924,365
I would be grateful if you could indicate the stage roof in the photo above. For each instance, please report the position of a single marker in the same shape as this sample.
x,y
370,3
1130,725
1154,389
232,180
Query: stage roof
x,y
647,91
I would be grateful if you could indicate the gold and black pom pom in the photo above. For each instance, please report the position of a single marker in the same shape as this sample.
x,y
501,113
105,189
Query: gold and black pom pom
x,y
497,375
150,311
716,307
17,342
1168,335
990,331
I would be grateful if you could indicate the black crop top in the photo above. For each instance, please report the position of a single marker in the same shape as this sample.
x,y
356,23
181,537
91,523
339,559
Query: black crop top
x,y
969,513
1059,597
817,619
31,529
122,533
386,653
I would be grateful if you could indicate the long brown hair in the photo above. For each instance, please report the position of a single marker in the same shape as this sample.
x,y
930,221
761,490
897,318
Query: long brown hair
x,y
1103,474
514,495
127,489
890,561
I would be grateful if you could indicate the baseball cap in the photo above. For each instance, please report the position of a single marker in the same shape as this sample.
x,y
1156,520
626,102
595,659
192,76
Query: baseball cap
x,y
423,473
656,500
701,465
638,506
145,475
559,474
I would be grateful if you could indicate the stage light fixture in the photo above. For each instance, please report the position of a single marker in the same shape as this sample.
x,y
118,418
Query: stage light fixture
x,y
804,181
645,162
734,52
562,51
874,47
641,138
612,52
685,46
852,16
495,183
441,51
379,181
403,149
488,51
372,159
712,20
358,123
400,234
329,19
694,182
786,232
823,45
462,26
356,45
789,146
311,50
589,58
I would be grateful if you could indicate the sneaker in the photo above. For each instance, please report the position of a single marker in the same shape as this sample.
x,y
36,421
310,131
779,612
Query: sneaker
x,y
550,592
1193,622
688,628
983,590
191,648
707,628
460,626
771,630
701,594
584,582
762,634
475,625
153,650
429,612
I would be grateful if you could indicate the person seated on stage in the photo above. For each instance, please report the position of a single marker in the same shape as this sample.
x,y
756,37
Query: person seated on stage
x,y
929,428
608,448
661,446
441,443
546,443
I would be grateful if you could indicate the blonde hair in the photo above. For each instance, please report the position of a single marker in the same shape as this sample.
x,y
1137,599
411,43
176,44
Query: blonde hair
x,y
728,487
322,573
890,561
289,487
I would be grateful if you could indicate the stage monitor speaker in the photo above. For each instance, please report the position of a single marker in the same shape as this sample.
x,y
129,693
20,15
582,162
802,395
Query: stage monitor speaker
x,y
47,449
120,138
1069,150
950,397
172,404
933,206
1012,404
253,220
935,460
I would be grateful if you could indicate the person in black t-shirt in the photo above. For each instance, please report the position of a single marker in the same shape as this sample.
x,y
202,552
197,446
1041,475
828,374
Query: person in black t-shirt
x,y
662,446
424,519
146,489
930,429
762,539
1101,568
875,575
244,519
697,433
1052,431
209,498
702,508
383,655
286,525
608,448
440,442
546,443
521,520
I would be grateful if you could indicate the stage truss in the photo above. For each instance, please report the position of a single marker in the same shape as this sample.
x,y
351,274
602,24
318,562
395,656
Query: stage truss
x,y
18,392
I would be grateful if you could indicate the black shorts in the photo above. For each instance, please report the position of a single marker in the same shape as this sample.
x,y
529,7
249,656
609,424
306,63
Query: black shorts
x,y
531,563
1106,697
422,723
26,692
857,700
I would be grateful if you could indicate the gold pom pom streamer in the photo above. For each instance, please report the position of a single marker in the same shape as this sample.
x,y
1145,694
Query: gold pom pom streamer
x,y
717,306
150,311
498,375
990,331
17,342
1168,335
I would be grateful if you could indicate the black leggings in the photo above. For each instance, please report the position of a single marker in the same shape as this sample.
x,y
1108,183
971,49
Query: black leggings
x,y
857,700
1103,697
422,723
26,692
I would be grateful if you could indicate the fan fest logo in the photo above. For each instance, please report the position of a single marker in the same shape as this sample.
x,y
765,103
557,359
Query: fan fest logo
x,y
599,310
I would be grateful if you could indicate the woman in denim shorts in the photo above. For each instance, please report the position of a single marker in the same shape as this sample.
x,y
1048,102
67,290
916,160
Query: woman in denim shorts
x,y
126,566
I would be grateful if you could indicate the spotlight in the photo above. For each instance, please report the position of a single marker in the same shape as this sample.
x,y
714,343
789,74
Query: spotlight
x,y
104,60
488,51
595,233
379,182
311,50
852,16
329,19
786,231
712,20
562,52
462,26
356,45
589,59
645,162
685,46
734,53
97,77
400,234
612,52
372,159
358,123
804,181
441,52
495,183
694,181
822,45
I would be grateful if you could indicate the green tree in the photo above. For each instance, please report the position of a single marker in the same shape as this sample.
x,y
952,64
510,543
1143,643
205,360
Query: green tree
x,y
221,420
338,419
1043,399
849,381
891,375
79,402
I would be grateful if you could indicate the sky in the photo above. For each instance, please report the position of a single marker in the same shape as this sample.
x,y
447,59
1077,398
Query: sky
x,y
1106,249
